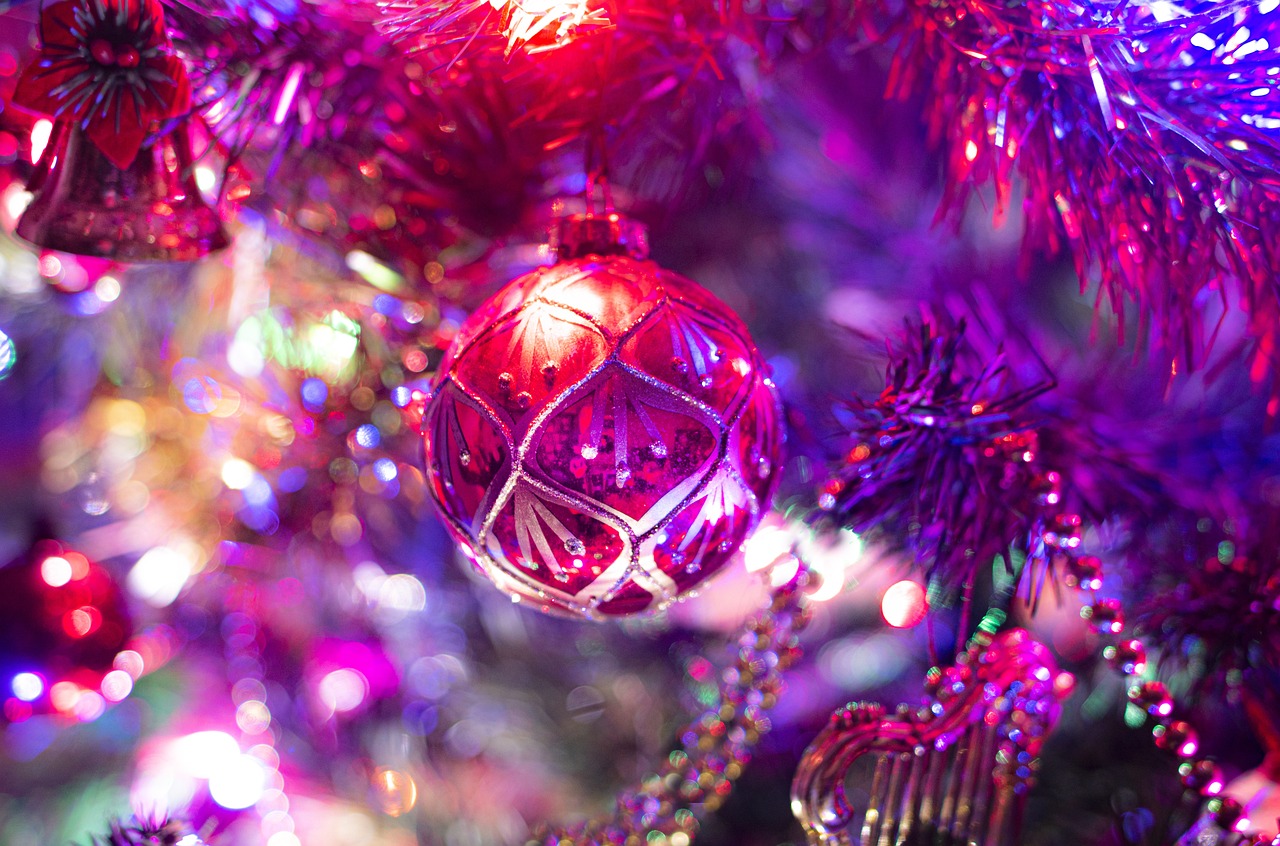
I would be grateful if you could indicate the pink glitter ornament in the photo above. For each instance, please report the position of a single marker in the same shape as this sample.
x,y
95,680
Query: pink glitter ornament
x,y
602,435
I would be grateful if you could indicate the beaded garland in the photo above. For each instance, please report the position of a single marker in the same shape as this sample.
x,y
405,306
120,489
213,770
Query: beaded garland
x,y
716,745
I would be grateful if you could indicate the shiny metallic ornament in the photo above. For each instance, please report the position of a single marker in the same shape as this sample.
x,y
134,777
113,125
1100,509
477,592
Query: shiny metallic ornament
x,y
602,435
151,210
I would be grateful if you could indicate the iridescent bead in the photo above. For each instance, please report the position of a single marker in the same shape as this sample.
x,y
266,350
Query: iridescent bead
x,y
1152,697
1202,775
1225,811
1085,572
1178,737
1127,656
1105,615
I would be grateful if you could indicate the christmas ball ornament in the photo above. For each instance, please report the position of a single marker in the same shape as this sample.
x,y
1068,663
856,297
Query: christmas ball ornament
x,y
63,620
602,435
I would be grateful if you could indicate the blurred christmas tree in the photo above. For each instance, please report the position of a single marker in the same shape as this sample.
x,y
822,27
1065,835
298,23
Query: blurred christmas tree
x,y
274,414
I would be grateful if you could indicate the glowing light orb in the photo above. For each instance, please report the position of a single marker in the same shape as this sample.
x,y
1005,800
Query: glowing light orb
x,y
394,792
238,782
546,20
116,685
27,686
40,133
55,570
343,690
903,604
237,474
205,753
160,575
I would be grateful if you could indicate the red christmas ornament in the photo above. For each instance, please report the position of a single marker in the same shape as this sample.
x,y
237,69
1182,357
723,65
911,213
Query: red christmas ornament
x,y
62,619
602,435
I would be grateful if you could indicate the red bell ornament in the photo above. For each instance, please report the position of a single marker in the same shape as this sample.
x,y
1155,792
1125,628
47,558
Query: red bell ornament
x,y
150,211
602,434
116,179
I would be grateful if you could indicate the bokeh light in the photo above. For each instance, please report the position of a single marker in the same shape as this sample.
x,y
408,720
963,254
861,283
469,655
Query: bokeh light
x,y
55,570
769,543
160,574
27,686
238,782
131,662
40,133
342,690
394,792
903,604
237,474
205,752
116,685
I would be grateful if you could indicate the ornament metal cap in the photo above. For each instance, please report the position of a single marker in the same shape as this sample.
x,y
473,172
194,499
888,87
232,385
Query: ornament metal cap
x,y
582,235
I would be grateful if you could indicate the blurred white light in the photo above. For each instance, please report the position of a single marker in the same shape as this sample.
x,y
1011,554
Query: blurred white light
x,y
64,695
245,353
253,717
40,138
904,604
784,571
27,686
237,473
129,661
834,559
206,179
160,575
1204,42
107,289
238,783
343,690
766,546
55,570
15,200
204,753
403,593
116,685
284,838
275,821
89,706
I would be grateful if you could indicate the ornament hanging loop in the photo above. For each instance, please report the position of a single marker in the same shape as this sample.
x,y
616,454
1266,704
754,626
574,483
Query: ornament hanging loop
x,y
600,230
596,167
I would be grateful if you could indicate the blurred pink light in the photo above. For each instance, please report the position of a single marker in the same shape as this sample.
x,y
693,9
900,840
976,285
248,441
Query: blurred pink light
x,y
903,604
